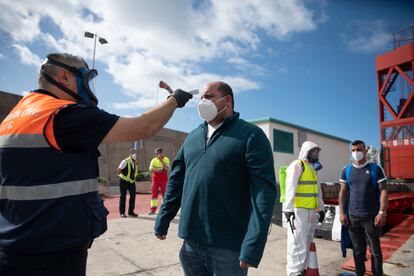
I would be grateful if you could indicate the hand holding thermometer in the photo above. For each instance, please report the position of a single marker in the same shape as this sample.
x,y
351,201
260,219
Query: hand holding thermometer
x,y
168,88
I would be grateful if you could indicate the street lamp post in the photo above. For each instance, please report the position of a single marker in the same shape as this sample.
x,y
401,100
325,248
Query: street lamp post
x,y
100,39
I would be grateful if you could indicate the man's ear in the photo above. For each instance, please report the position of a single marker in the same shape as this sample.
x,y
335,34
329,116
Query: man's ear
x,y
63,77
228,100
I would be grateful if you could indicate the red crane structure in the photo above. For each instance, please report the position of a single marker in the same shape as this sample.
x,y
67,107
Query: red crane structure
x,y
395,79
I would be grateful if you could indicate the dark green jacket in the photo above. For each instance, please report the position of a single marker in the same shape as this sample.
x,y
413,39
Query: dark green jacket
x,y
226,189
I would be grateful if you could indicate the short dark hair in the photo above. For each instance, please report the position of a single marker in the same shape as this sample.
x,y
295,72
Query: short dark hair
x,y
157,150
358,142
132,150
52,70
225,90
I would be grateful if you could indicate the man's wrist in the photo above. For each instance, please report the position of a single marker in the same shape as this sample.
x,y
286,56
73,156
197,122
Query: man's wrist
x,y
383,213
173,99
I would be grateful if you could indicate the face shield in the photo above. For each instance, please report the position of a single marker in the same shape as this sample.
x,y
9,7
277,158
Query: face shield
x,y
86,85
84,82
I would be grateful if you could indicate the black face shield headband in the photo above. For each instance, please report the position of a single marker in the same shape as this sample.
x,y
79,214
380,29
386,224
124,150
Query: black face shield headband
x,y
83,77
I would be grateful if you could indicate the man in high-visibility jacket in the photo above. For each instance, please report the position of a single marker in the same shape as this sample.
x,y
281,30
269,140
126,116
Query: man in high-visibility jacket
x,y
303,202
159,167
50,211
127,172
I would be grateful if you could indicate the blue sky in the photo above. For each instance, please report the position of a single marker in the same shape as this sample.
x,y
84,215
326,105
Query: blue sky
x,y
310,63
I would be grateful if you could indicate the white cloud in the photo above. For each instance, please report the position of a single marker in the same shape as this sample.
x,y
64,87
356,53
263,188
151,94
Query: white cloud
x,y
157,39
140,103
238,60
282,69
367,36
2,56
246,66
27,57
18,21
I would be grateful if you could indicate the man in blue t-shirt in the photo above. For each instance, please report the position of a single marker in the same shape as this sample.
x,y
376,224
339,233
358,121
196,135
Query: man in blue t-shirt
x,y
363,202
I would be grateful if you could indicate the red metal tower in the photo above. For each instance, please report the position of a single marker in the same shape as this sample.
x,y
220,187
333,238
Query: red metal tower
x,y
395,81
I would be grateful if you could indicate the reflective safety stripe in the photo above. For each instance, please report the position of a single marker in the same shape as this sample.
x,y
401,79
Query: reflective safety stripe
x,y
49,191
127,179
306,195
23,141
128,176
307,182
154,202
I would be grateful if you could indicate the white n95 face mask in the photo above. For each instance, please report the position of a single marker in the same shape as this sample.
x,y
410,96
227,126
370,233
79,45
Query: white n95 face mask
x,y
207,110
357,155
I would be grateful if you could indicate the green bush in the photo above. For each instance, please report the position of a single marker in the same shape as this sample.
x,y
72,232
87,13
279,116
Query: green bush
x,y
143,176
102,180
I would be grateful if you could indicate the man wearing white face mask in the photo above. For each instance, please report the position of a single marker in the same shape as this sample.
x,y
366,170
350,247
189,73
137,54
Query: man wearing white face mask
x,y
363,202
128,170
224,181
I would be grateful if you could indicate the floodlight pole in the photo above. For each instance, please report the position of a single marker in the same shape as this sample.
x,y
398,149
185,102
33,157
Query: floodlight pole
x,y
94,49
95,37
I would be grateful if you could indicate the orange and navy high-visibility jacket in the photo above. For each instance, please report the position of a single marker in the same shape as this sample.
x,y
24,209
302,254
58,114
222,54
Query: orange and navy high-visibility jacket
x,y
49,199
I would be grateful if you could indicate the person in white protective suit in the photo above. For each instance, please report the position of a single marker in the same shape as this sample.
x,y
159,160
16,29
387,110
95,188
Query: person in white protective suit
x,y
302,206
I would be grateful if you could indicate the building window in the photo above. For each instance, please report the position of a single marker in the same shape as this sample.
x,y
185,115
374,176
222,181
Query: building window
x,y
282,141
302,137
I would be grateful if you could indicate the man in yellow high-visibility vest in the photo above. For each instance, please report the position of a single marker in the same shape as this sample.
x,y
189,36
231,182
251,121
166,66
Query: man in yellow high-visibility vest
x,y
128,170
303,202
159,167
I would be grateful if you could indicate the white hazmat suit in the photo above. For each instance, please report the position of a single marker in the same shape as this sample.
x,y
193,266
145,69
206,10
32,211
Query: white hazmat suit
x,y
305,219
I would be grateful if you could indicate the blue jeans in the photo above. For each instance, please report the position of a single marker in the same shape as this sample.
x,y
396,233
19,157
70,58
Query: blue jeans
x,y
201,260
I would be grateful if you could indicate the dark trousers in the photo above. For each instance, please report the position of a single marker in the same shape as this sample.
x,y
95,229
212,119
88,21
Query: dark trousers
x,y
125,186
70,262
362,230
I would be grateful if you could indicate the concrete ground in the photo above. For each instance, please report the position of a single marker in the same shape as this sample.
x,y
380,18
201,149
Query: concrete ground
x,y
402,261
129,247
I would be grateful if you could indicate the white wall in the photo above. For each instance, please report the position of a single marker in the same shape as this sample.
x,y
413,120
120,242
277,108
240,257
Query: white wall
x,y
281,158
334,155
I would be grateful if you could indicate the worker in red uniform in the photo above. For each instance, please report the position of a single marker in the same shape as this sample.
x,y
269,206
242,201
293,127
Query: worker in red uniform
x,y
159,167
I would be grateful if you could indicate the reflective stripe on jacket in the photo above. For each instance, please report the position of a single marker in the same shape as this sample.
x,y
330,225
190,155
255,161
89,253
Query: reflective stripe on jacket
x,y
306,194
126,172
53,203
